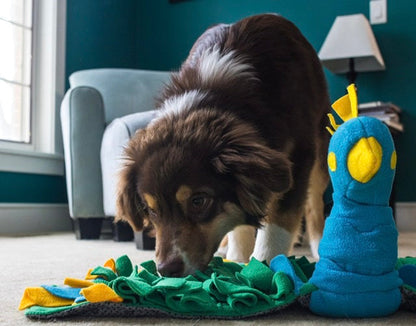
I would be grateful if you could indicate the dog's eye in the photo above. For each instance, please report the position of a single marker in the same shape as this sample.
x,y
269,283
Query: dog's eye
x,y
200,202
150,212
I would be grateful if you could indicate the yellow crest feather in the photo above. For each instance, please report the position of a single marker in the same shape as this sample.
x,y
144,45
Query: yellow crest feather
x,y
346,107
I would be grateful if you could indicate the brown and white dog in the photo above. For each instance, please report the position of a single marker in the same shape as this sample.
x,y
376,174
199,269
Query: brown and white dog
x,y
240,139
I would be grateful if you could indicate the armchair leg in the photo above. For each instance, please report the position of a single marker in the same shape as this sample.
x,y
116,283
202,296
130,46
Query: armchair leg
x,y
144,241
87,228
122,232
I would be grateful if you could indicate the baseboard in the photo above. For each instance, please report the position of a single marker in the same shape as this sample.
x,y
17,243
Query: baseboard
x,y
406,216
22,218
28,218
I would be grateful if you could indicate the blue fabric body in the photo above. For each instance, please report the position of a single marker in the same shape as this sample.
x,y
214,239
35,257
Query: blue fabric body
x,y
355,274
360,238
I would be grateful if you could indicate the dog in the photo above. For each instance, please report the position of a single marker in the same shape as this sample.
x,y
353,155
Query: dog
x,y
239,142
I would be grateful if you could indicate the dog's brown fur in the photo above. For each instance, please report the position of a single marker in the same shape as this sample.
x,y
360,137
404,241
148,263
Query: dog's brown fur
x,y
240,152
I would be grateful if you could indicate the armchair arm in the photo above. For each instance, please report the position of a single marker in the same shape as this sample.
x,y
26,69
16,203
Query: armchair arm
x,y
116,136
83,123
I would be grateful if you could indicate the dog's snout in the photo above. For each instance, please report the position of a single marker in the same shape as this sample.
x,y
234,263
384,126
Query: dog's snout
x,y
173,267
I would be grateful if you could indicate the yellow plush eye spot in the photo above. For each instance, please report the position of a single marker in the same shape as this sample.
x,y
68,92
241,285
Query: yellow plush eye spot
x,y
393,161
364,159
332,161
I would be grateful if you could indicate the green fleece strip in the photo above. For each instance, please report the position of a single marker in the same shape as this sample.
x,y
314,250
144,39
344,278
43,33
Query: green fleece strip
x,y
222,288
405,261
124,266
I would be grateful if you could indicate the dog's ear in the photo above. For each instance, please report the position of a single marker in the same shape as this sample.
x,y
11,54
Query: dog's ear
x,y
259,171
129,206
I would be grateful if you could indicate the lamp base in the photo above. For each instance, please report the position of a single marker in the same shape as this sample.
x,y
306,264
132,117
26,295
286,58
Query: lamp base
x,y
352,74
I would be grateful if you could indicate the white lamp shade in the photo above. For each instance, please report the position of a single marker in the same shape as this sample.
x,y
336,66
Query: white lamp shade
x,y
351,37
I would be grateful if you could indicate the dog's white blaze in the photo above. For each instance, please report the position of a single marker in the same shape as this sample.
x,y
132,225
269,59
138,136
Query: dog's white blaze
x,y
216,66
272,240
178,103
185,101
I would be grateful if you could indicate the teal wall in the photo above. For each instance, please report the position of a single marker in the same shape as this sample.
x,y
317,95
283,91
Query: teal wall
x,y
101,33
154,34
31,188
166,32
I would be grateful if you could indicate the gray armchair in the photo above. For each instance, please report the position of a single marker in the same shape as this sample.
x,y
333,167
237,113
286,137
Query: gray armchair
x,y
100,112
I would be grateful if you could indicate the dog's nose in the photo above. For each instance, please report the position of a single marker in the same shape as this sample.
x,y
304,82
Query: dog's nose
x,y
173,267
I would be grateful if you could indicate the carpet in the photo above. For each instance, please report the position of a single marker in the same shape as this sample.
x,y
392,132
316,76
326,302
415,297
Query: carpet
x,y
47,259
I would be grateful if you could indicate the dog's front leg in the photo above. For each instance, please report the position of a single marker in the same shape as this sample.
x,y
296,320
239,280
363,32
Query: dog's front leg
x,y
272,240
241,243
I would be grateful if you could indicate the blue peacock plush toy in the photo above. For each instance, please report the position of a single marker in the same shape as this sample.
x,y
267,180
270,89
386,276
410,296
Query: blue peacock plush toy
x,y
356,274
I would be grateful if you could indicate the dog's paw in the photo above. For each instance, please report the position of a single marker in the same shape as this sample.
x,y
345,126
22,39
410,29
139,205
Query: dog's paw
x,y
237,257
263,255
272,240
222,251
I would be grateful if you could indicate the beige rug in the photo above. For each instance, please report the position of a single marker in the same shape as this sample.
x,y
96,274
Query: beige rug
x,y
48,259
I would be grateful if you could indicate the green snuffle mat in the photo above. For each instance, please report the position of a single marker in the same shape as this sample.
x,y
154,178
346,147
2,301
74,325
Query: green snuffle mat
x,y
226,290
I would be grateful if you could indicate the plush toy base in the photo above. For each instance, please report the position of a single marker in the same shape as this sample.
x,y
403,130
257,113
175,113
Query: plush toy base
x,y
358,305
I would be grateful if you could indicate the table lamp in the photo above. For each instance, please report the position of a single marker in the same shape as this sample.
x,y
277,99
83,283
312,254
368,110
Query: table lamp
x,y
351,47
